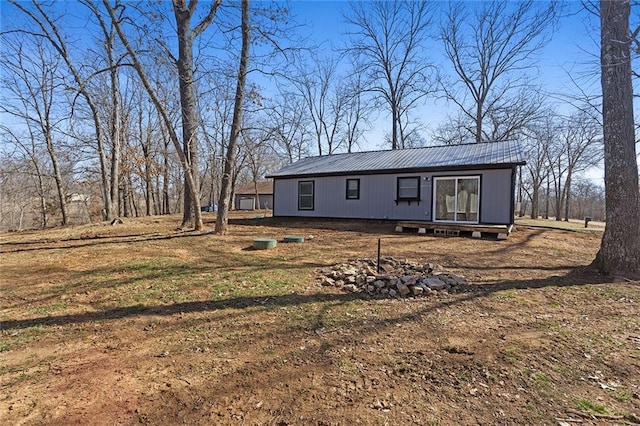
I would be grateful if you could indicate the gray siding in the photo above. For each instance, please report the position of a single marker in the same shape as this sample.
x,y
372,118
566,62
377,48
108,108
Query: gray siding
x,y
496,197
378,194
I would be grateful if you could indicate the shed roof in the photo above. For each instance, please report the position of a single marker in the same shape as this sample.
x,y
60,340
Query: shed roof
x,y
477,155
264,188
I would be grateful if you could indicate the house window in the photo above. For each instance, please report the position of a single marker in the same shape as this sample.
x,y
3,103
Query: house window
x,y
305,195
456,199
409,188
353,189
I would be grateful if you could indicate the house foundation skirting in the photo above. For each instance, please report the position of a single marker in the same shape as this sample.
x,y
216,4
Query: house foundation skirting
x,y
454,229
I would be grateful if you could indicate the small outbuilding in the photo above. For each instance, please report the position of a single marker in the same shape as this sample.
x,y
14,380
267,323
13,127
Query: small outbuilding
x,y
246,198
468,184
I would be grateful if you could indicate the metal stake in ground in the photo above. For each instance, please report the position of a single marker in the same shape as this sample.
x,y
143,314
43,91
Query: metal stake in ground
x,y
378,256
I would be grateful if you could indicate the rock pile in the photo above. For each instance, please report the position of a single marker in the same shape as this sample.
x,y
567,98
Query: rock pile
x,y
396,278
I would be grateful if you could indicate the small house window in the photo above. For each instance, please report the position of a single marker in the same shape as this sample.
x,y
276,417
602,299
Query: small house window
x,y
305,195
409,188
353,189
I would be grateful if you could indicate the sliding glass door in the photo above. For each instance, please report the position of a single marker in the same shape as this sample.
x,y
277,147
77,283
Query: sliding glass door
x,y
456,199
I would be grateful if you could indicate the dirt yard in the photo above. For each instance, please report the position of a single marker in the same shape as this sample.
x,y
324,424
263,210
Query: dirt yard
x,y
142,324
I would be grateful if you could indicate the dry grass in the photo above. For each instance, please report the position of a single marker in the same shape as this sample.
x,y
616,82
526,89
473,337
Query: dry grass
x,y
570,225
140,323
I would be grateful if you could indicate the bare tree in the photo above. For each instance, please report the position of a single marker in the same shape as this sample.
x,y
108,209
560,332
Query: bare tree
x,y
188,151
148,134
48,29
490,46
588,199
454,131
186,34
357,110
559,150
222,219
29,151
16,191
37,87
541,136
411,132
286,116
555,152
165,85
316,82
259,156
216,115
582,142
390,38
620,249
570,145
114,119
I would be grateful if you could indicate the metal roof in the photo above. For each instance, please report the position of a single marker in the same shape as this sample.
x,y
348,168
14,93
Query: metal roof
x,y
481,155
264,188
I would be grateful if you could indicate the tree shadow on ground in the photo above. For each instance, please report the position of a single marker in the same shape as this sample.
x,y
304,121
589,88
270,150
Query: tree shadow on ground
x,y
583,275
95,240
577,277
350,225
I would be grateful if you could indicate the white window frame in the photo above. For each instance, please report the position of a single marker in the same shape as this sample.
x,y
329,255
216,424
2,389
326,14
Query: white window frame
x,y
306,196
455,209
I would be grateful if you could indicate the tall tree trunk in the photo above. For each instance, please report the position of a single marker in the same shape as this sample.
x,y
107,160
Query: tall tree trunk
x,y
189,114
222,219
319,143
478,134
165,208
57,176
559,194
548,200
110,205
115,119
145,145
110,183
567,197
521,212
124,191
190,171
166,205
132,197
115,140
394,126
255,187
620,249
234,184
40,188
148,188
535,195
43,203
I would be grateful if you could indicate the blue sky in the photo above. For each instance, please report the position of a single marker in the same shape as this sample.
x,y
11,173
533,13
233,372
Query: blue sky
x,y
322,21
571,48
572,52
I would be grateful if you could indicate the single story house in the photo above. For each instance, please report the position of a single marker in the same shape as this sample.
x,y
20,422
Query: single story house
x,y
245,197
455,184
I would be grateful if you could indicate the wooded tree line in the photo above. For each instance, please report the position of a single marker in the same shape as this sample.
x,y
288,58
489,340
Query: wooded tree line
x,y
136,112
113,108
560,149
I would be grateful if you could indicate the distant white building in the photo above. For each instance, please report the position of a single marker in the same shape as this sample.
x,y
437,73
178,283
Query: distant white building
x,y
245,197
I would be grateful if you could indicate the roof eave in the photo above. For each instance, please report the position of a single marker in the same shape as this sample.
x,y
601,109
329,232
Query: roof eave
x,y
400,170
